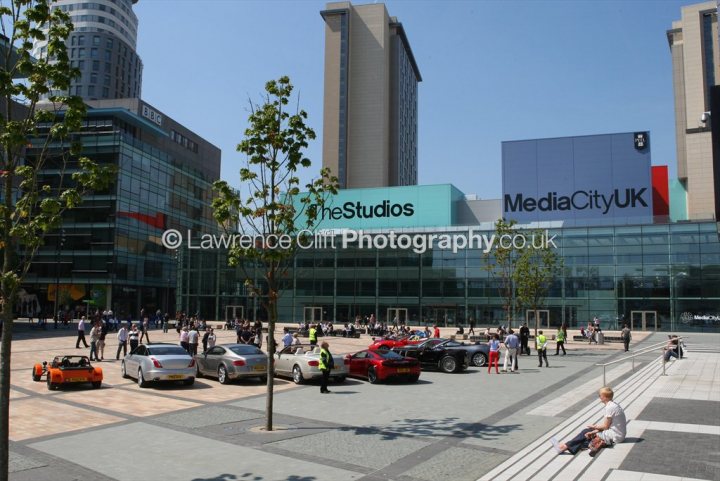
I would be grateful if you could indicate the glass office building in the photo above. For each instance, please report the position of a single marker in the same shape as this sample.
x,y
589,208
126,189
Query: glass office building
x,y
655,277
108,252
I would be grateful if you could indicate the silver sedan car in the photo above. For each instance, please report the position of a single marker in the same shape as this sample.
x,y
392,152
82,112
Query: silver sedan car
x,y
301,362
159,362
232,361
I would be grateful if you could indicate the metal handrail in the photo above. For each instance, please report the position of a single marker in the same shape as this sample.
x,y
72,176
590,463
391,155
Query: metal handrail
x,y
642,351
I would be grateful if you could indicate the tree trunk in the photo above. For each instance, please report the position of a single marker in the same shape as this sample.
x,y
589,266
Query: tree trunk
x,y
272,311
5,344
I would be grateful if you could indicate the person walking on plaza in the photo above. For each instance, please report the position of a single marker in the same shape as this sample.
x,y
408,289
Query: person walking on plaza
x,y
133,337
122,337
184,339
541,346
327,363
312,333
287,337
144,329
212,338
560,341
205,338
193,336
494,344
611,430
626,336
524,339
471,330
436,331
81,333
94,338
104,328
512,343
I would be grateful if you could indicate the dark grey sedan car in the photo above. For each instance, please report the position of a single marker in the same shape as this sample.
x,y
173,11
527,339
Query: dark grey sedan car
x,y
227,362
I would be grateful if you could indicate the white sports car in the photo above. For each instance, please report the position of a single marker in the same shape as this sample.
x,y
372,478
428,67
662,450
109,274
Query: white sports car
x,y
301,363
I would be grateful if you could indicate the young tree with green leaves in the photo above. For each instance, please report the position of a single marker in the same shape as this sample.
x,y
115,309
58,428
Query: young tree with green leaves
x,y
500,262
271,206
34,136
535,269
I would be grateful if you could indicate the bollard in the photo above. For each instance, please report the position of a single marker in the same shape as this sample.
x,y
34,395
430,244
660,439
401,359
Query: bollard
x,y
633,360
664,361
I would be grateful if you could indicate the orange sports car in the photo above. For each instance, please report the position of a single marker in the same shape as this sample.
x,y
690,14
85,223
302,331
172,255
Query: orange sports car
x,y
68,370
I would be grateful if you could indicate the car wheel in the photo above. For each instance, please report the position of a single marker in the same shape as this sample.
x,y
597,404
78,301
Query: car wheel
x,y
189,382
372,376
415,378
479,359
223,375
35,377
96,384
263,379
198,373
51,385
297,375
141,379
123,371
448,364
340,379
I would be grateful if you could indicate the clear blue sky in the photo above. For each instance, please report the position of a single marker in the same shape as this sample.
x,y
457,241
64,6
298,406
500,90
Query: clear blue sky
x,y
492,71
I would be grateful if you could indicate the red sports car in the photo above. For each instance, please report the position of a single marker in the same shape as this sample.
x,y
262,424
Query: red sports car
x,y
382,365
390,342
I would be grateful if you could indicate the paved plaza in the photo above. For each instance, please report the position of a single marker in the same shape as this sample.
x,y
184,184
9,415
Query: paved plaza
x,y
447,426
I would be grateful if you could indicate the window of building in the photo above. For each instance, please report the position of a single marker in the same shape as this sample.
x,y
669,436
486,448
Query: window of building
x,y
81,39
81,52
96,65
91,90
106,92
94,53
109,43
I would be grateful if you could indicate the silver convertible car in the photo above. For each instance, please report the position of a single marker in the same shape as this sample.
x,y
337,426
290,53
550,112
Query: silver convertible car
x,y
232,361
301,363
159,362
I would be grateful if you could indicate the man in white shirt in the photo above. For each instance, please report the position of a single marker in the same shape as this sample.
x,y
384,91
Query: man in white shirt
x,y
122,337
287,338
611,430
81,333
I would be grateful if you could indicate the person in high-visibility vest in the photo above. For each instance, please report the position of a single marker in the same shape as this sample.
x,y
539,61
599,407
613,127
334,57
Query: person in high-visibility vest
x,y
326,365
313,335
560,341
541,346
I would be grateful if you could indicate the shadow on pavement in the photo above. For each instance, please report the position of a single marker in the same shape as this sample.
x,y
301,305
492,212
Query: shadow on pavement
x,y
252,477
447,427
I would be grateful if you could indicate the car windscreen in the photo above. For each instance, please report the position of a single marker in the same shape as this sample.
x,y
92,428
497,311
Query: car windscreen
x,y
167,351
388,354
245,350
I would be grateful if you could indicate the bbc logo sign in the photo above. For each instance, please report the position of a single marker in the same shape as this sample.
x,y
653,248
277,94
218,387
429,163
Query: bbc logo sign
x,y
150,114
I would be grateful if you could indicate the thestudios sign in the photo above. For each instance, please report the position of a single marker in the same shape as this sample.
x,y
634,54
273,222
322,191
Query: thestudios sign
x,y
360,210
389,207
603,177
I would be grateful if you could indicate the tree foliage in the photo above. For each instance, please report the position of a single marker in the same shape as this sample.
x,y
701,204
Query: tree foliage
x,y
271,205
535,269
32,134
500,262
